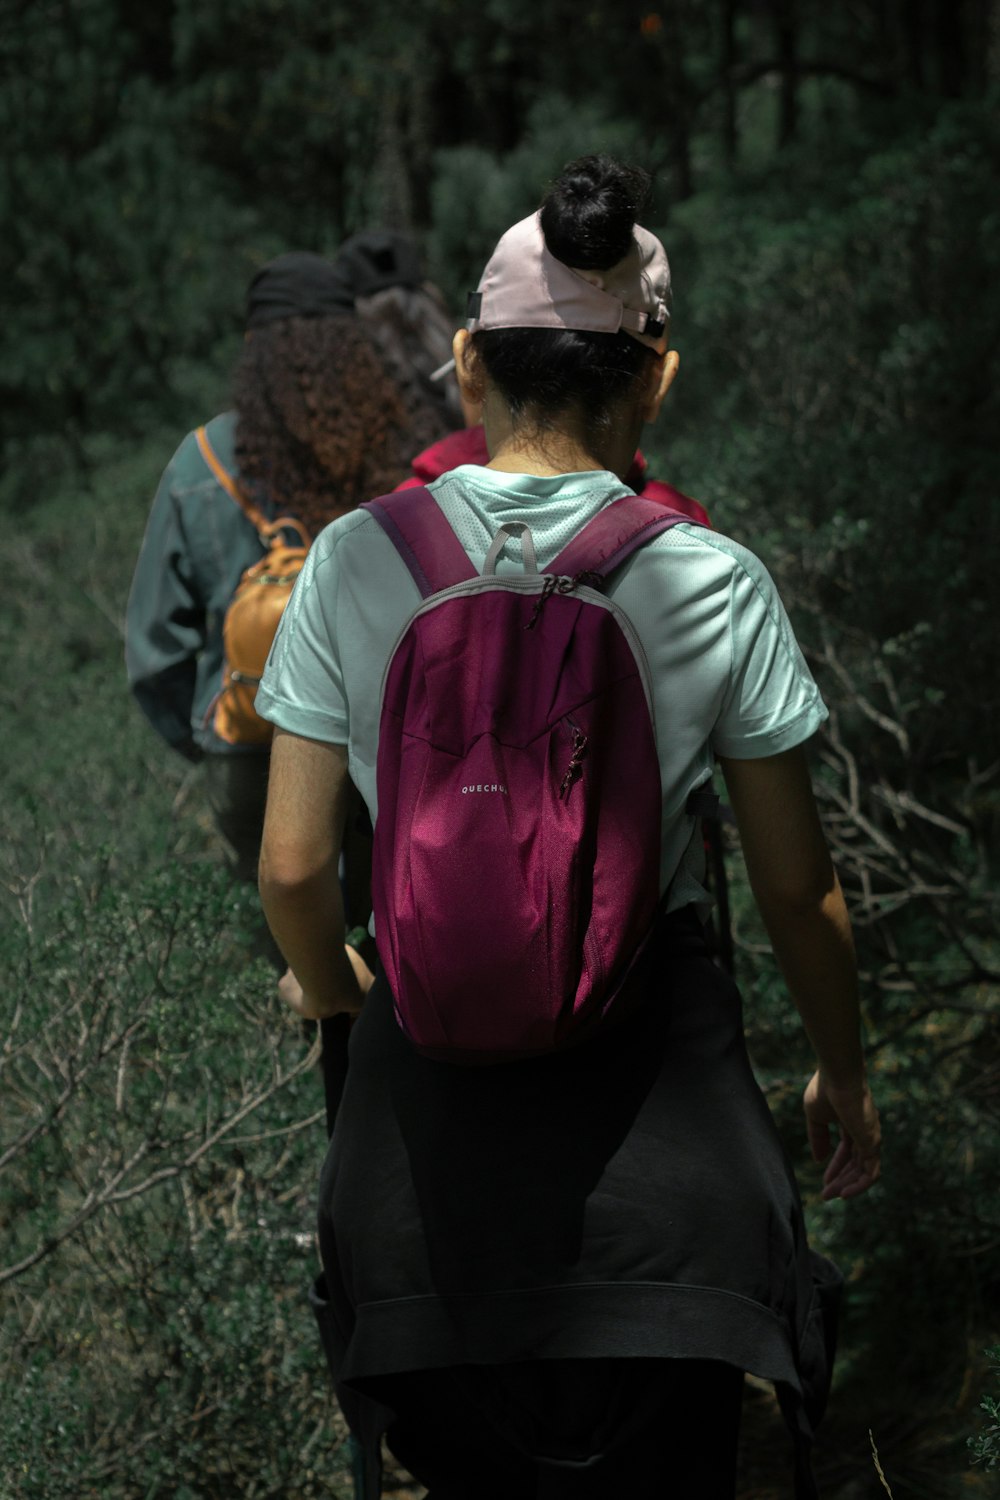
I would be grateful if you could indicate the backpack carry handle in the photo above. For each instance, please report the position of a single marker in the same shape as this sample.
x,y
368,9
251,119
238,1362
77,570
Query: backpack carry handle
x,y
614,534
508,530
272,529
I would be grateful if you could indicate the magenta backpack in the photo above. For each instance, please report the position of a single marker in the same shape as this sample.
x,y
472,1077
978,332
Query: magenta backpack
x,y
517,844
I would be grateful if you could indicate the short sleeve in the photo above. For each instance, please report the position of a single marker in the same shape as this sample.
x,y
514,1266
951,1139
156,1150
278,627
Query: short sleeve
x,y
302,689
772,702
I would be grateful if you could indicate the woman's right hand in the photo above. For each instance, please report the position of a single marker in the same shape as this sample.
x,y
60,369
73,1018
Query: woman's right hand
x,y
856,1163
291,991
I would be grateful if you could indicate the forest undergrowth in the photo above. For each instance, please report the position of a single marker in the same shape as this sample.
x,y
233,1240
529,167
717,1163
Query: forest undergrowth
x,y
827,197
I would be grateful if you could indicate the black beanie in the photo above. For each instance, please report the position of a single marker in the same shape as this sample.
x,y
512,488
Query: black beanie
x,y
297,285
378,258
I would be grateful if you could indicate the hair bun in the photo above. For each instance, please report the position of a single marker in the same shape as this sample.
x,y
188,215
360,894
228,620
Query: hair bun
x,y
590,210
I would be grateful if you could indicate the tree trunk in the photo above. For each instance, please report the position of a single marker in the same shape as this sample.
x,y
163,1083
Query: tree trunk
x,y
912,23
679,94
730,132
949,44
786,46
420,147
393,196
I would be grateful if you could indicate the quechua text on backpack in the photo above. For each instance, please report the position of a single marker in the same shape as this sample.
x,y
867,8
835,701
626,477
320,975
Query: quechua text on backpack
x,y
517,843
252,617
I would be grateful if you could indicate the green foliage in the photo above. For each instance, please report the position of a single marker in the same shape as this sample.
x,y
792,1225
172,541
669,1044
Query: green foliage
x,y
163,1130
848,442
86,783
836,307
121,254
162,1122
855,418
475,192
985,1446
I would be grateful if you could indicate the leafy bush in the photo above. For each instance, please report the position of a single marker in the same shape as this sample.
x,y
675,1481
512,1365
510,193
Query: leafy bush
x,y
836,311
161,1132
836,407
157,1165
827,415
985,1445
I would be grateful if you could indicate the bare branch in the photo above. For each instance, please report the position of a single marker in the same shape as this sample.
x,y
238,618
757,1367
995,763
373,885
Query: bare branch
x,y
284,1130
112,1192
74,1080
902,803
856,697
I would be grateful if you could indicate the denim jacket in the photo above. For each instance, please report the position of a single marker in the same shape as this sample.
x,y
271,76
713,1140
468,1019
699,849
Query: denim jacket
x,y
198,544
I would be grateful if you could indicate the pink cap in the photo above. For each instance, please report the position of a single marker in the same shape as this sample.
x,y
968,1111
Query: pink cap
x,y
524,286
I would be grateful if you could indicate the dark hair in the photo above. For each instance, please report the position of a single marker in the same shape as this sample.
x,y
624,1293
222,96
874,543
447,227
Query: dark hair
x,y
587,217
589,212
321,425
413,331
407,318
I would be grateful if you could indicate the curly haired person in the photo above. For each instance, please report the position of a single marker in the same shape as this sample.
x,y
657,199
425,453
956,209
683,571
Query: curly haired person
x,y
320,423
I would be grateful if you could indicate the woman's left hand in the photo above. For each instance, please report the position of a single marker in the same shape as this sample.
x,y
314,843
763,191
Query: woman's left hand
x,y
856,1163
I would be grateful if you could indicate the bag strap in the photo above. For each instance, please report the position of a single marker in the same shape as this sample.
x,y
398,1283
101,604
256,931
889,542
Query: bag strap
x,y
228,483
614,534
424,539
422,535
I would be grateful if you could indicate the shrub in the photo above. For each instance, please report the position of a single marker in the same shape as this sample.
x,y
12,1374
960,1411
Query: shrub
x,y
157,1165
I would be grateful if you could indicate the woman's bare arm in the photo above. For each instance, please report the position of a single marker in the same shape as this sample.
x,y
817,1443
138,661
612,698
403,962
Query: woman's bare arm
x,y
799,897
309,793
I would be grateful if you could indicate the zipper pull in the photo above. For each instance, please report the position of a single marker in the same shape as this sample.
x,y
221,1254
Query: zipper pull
x,y
574,770
548,589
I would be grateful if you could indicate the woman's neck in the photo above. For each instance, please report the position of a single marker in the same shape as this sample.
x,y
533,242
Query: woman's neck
x,y
548,451
555,457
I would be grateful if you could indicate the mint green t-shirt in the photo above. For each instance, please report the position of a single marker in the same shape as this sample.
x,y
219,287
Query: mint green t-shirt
x,y
727,675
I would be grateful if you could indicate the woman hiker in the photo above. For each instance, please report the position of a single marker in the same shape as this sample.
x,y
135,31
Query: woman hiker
x,y
545,1276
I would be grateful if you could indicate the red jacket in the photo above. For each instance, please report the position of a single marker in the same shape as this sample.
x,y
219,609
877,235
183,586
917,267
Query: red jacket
x,y
468,446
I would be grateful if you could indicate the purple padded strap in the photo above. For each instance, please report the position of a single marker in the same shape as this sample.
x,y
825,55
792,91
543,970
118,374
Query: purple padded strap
x,y
614,534
416,525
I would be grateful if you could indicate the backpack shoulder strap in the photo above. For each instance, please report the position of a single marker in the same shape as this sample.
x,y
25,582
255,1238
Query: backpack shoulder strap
x,y
228,483
419,530
614,534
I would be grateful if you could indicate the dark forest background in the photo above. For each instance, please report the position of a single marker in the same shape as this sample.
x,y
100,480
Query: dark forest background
x,y
826,185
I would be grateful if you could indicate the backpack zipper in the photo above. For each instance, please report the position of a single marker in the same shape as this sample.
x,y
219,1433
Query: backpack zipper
x,y
592,956
574,771
536,584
